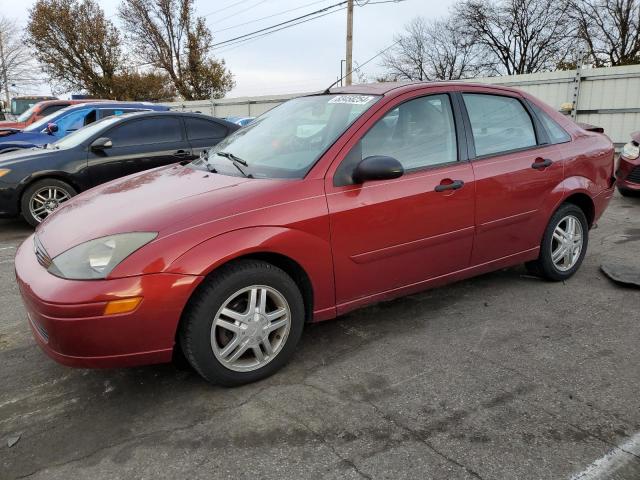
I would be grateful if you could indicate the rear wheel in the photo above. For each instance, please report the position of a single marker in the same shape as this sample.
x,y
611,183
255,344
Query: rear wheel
x,y
43,197
243,324
564,244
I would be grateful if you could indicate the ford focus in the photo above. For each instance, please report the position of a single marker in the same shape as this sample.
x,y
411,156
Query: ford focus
x,y
324,204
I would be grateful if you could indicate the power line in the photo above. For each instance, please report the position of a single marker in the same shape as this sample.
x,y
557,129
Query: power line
x,y
269,16
280,24
223,9
242,42
241,11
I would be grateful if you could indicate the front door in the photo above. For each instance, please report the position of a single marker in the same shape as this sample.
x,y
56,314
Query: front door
x,y
139,144
390,235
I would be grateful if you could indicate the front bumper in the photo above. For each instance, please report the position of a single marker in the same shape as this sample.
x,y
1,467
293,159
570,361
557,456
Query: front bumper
x,y
66,316
8,201
628,174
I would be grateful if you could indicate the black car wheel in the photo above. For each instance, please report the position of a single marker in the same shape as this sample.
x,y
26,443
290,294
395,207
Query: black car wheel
x,y
42,198
243,324
628,193
564,244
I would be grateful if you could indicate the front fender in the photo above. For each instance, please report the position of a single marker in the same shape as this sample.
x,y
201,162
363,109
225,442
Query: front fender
x,y
311,252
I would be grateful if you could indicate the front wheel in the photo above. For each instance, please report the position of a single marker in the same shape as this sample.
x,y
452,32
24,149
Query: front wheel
x,y
43,197
243,324
564,244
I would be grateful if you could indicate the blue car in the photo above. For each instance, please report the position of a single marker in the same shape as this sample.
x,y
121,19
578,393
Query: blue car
x,y
63,122
242,121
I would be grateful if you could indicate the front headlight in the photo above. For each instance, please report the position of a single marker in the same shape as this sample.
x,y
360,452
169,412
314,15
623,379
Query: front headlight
x,y
97,258
4,171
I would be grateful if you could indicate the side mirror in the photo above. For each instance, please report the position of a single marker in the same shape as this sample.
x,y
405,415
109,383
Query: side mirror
x,y
377,167
101,143
52,128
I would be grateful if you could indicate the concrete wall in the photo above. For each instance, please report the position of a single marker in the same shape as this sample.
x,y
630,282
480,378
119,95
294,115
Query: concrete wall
x,y
607,97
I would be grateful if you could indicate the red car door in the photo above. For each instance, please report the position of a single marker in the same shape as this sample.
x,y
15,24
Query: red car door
x,y
517,173
389,236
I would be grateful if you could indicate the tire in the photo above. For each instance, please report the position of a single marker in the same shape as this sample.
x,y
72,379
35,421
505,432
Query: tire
x,y
567,264
40,194
628,193
205,343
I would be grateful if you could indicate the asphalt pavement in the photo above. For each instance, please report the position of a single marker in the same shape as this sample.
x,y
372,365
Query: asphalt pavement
x,y
503,376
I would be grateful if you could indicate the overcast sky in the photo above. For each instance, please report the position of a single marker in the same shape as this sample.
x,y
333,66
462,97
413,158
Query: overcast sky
x,y
299,59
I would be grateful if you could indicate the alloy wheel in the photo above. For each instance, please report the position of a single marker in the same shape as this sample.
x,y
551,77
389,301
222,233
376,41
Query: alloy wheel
x,y
46,200
250,328
566,243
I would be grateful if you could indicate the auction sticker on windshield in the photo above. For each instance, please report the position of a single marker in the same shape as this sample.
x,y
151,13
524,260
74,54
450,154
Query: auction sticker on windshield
x,y
352,99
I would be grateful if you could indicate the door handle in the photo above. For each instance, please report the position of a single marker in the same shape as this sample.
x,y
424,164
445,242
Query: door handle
x,y
182,153
455,185
541,163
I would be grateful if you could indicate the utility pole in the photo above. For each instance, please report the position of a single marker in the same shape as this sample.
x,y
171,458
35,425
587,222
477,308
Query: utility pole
x,y
349,65
3,71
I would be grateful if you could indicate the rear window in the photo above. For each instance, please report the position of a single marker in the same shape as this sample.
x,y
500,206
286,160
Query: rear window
x,y
556,133
499,124
201,129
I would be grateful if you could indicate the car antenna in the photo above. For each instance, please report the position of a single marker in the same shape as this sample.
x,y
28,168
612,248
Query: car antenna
x,y
327,91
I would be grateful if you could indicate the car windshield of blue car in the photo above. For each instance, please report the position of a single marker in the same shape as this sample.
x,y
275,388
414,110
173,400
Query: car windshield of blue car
x,y
43,122
288,140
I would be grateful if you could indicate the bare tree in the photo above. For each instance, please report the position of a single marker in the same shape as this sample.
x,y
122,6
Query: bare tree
x,y
433,50
518,36
16,62
167,35
610,30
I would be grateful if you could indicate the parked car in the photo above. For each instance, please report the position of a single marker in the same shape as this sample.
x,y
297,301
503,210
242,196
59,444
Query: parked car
x,y
40,110
65,121
324,204
628,171
242,121
21,104
33,183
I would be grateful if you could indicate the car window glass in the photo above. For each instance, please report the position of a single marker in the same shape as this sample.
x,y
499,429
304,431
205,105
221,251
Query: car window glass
x,y
72,122
499,123
109,112
556,133
146,131
200,129
418,133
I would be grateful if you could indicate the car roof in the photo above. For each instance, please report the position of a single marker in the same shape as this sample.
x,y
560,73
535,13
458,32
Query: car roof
x,y
116,104
158,113
386,88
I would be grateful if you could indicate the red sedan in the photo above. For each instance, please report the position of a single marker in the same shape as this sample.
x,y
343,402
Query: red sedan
x,y
325,204
628,173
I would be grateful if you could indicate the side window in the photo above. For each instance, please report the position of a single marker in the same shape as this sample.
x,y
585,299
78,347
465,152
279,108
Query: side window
x,y
147,131
200,129
499,124
109,112
418,133
72,122
556,133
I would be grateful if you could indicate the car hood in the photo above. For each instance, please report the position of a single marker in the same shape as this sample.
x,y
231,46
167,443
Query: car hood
x,y
27,153
165,200
14,136
9,124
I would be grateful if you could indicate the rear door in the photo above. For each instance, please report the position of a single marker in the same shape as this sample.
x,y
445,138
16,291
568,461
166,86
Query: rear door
x,y
517,172
203,133
139,144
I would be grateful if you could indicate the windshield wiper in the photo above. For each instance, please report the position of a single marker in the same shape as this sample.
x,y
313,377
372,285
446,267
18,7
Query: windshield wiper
x,y
237,161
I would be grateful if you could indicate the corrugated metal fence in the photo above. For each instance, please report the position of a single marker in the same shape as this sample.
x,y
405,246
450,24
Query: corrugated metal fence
x,y
607,97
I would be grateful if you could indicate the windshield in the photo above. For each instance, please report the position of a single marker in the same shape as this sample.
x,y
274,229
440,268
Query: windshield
x,y
26,115
43,122
79,136
287,141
